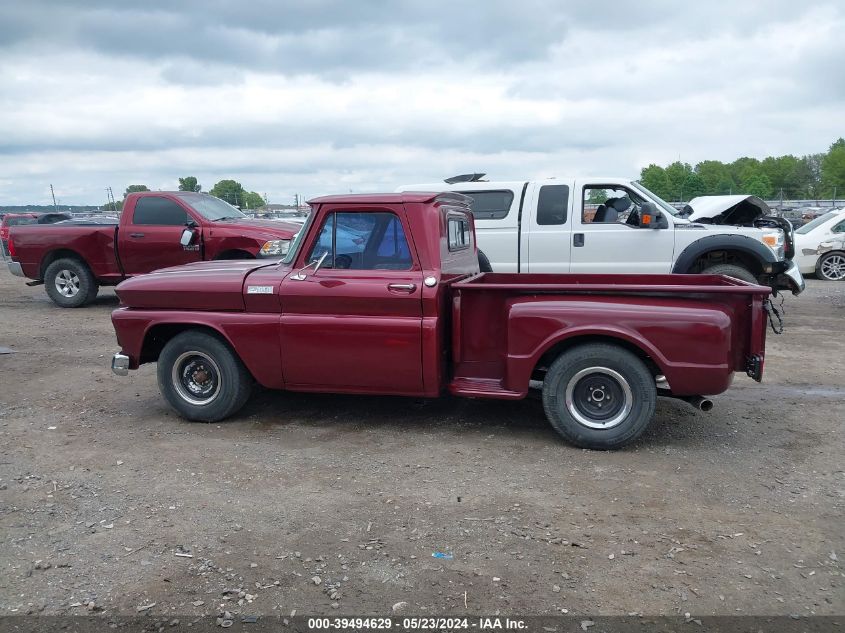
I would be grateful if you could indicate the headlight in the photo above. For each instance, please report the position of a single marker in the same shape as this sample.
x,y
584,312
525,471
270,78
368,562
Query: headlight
x,y
774,239
275,248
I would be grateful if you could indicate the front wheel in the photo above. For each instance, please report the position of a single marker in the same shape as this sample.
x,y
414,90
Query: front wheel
x,y
831,266
731,270
599,396
202,378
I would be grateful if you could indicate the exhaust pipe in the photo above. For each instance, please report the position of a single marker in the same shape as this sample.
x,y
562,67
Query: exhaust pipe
x,y
699,402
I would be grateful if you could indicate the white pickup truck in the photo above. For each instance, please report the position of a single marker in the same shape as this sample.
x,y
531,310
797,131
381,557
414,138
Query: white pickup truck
x,y
615,225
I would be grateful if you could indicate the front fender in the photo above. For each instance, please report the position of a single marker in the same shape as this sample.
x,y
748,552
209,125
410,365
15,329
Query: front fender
x,y
253,337
742,243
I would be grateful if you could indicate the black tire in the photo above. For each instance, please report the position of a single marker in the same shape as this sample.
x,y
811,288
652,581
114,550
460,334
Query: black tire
x,y
599,396
831,266
202,378
69,283
484,263
731,270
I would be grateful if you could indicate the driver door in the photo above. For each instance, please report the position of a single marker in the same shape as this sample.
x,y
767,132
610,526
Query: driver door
x,y
613,242
355,325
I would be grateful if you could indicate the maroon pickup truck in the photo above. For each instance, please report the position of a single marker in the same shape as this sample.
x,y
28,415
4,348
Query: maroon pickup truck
x,y
156,230
381,294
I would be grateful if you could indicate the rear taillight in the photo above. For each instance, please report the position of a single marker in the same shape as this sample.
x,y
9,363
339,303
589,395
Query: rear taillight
x,y
11,246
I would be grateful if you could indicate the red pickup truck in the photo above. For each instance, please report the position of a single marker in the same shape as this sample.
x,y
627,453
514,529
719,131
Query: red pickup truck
x,y
156,230
382,294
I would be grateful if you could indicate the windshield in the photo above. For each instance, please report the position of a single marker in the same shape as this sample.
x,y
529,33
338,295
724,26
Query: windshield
x,y
668,208
211,208
814,223
297,240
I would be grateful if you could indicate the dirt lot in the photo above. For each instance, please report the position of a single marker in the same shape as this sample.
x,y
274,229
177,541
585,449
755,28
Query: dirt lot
x,y
329,504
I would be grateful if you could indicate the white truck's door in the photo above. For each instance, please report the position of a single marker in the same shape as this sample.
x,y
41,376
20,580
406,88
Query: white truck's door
x,y
606,243
546,227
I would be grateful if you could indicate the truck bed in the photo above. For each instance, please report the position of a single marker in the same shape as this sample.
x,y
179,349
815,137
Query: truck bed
x,y
94,241
683,324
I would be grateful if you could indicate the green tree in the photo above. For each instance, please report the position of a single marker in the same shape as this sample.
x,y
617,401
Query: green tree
x,y
654,179
189,183
234,193
833,170
758,185
715,176
694,186
677,174
135,189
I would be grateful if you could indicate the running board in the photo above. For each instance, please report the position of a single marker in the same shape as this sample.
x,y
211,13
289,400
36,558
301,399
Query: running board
x,y
482,388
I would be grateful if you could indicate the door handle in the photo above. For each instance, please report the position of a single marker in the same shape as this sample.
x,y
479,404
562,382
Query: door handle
x,y
577,239
136,235
402,287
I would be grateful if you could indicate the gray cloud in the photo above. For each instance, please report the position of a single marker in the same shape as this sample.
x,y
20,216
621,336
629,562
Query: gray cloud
x,y
332,95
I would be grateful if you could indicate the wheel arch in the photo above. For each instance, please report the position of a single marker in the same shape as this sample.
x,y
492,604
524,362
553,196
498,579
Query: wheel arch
x,y
158,335
725,249
60,253
643,350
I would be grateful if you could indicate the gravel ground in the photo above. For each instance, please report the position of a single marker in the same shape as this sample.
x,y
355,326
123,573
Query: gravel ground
x,y
336,504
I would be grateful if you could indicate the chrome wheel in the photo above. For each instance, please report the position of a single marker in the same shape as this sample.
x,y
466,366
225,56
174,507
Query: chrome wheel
x,y
599,397
832,267
196,378
67,283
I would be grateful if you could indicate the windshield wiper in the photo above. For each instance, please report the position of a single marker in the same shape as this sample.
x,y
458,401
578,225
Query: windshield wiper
x,y
227,217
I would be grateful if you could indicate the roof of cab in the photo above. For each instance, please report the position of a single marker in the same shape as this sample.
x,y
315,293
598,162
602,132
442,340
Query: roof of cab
x,y
390,198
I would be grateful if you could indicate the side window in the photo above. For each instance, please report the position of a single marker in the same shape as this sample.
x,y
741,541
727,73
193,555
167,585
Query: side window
x,y
158,211
365,240
610,205
552,204
490,205
458,232
839,228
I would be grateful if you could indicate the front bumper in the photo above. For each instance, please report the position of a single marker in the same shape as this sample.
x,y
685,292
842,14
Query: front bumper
x,y
120,364
15,268
791,278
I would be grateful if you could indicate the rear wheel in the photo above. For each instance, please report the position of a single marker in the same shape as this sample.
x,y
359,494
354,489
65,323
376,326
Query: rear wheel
x,y
831,266
69,283
731,270
202,378
599,396
484,263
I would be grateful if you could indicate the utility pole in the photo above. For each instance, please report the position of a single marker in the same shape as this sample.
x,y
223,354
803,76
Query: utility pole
x,y
56,208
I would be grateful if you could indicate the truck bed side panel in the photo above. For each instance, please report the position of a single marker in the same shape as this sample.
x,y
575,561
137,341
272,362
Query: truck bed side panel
x,y
94,244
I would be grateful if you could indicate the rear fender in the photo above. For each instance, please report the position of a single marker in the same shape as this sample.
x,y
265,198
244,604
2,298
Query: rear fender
x,y
688,342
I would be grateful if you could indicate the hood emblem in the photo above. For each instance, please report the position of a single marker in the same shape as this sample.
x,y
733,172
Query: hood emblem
x,y
259,290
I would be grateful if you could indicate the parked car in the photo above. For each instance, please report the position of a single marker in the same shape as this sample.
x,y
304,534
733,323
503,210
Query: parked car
x,y
156,230
819,246
406,312
616,225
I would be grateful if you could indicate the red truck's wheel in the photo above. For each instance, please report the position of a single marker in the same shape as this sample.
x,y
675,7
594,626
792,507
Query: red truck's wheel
x,y
599,396
69,283
202,378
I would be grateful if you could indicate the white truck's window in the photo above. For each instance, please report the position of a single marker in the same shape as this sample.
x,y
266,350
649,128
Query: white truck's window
x,y
602,204
490,205
552,204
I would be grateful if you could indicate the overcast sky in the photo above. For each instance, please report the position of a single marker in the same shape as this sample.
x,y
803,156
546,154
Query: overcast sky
x,y
364,96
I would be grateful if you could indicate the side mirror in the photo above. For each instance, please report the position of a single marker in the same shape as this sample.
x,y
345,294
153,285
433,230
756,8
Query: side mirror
x,y
651,218
187,236
300,275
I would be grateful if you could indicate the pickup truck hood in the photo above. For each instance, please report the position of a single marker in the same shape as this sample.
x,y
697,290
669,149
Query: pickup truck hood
x,y
215,285
738,210
272,228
